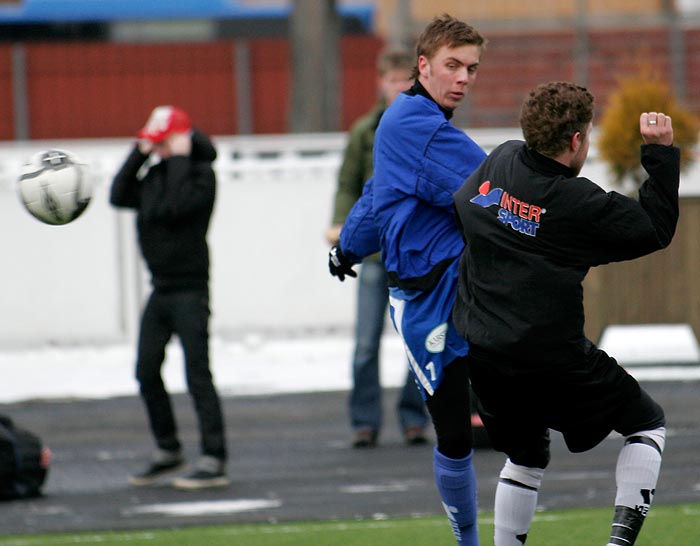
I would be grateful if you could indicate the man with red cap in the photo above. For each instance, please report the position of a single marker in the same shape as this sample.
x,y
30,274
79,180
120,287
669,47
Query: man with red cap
x,y
174,200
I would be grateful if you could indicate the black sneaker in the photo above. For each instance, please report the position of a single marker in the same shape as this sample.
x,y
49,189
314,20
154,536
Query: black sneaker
x,y
163,464
415,436
209,472
364,438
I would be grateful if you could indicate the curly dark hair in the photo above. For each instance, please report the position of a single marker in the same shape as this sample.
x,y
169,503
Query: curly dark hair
x,y
445,30
552,113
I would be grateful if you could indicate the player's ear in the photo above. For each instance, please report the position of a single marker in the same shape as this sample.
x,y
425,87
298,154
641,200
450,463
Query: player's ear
x,y
423,65
576,141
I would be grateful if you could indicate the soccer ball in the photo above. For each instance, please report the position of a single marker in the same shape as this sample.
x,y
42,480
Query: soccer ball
x,y
54,186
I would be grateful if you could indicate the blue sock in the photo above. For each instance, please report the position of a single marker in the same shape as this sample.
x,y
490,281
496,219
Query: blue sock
x,y
456,483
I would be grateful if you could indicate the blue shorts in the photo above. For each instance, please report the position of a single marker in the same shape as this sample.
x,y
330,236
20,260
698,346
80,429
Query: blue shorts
x,y
423,319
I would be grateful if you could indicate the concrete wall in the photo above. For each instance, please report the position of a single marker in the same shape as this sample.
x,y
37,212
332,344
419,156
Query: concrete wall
x,y
84,282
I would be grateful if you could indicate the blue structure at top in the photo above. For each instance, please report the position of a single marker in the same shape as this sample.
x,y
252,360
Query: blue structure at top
x,y
103,11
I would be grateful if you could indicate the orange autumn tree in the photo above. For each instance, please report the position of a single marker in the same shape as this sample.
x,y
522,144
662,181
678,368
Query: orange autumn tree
x,y
619,139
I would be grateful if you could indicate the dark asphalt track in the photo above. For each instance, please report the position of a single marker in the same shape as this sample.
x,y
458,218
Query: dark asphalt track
x,y
290,454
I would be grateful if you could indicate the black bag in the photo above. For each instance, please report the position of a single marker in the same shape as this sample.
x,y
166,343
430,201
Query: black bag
x,y
24,462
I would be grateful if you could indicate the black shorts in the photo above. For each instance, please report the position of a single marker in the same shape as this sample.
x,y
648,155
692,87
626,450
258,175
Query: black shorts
x,y
584,398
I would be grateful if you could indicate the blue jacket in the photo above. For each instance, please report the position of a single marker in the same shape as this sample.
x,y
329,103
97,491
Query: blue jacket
x,y
407,208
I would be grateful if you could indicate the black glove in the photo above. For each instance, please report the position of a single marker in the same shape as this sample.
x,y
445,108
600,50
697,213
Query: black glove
x,y
339,264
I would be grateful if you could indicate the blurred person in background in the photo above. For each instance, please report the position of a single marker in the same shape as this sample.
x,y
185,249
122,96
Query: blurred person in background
x,y
407,211
533,229
365,403
174,199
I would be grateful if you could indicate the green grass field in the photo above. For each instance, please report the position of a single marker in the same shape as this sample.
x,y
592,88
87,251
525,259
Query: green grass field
x,y
666,526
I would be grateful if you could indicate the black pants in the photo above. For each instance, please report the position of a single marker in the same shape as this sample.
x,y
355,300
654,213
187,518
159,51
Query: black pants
x,y
585,397
185,313
450,410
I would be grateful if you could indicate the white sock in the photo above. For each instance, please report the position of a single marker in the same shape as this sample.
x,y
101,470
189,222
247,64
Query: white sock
x,y
516,500
637,471
638,467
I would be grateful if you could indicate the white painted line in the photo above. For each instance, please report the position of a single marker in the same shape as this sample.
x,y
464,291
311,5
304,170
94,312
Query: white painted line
x,y
203,508
391,487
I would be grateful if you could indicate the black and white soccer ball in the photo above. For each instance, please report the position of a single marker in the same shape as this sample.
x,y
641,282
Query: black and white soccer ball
x,y
54,186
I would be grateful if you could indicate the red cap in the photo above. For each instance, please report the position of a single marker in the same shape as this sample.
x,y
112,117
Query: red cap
x,y
165,120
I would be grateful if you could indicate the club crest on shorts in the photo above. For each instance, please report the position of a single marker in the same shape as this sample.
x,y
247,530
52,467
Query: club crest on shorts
x,y
435,341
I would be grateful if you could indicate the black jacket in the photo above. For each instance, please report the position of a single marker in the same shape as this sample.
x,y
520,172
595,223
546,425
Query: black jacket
x,y
174,202
533,229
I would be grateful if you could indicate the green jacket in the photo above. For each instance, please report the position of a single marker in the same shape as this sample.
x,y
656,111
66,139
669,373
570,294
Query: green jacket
x,y
356,168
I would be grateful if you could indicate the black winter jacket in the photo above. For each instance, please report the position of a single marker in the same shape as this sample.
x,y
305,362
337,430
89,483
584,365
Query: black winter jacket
x,y
533,229
174,202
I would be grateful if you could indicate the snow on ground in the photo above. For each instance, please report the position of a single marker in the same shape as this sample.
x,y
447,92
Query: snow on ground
x,y
260,365
254,365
